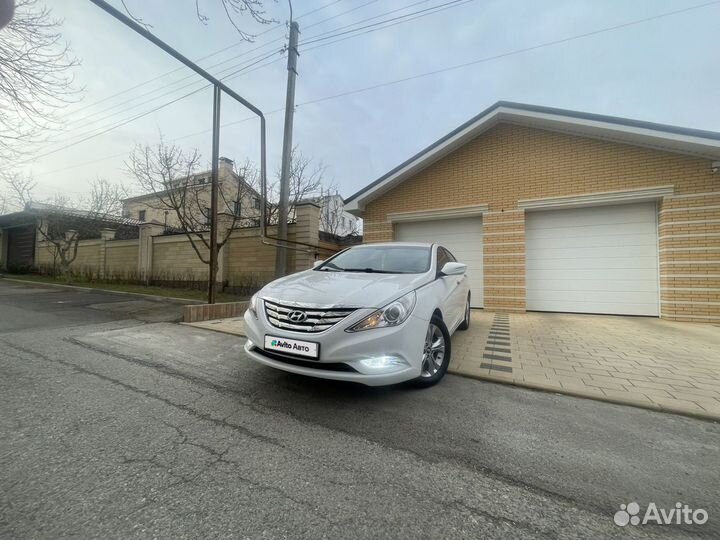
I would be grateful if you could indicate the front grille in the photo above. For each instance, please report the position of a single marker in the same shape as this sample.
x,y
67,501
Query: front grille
x,y
328,366
315,319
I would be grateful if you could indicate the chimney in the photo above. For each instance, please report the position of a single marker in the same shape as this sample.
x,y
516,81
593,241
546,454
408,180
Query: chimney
x,y
225,164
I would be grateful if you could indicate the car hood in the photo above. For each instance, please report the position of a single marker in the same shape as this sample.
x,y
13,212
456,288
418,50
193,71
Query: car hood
x,y
349,289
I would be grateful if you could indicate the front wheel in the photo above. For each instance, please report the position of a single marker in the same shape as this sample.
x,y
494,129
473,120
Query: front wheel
x,y
436,354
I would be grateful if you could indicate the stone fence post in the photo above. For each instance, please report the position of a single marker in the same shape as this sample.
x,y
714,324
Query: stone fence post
x,y
145,249
105,235
307,231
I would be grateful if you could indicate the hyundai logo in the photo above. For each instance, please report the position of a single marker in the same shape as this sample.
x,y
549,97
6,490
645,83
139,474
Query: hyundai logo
x,y
297,316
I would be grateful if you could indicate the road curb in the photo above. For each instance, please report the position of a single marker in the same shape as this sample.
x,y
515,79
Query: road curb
x,y
555,390
64,286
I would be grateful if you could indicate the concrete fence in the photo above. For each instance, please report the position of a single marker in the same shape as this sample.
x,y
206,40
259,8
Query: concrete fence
x,y
244,264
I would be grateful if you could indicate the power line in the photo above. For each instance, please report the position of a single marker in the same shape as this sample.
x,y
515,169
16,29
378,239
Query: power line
x,y
259,58
248,64
431,9
512,53
214,53
445,69
83,120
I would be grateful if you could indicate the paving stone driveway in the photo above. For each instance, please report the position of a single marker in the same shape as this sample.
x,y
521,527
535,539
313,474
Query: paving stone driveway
x,y
631,360
634,360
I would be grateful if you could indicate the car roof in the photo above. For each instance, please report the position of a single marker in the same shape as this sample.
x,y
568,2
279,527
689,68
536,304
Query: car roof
x,y
395,244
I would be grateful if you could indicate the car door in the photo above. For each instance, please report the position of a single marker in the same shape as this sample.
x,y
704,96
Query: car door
x,y
460,292
454,307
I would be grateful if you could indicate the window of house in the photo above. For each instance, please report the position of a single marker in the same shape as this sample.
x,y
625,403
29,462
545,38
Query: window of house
x,y
141,215
256,203
237,208
207,214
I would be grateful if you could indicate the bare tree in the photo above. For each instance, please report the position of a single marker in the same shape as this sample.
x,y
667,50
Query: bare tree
x,y
64,224
35,78
306,182
333,218
234,9
21,188
170,174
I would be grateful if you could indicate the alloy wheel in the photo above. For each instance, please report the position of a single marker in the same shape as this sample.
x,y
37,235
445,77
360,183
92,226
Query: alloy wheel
x,y
433,351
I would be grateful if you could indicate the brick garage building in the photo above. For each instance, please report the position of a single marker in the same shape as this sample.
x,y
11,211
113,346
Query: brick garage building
x,y
556,210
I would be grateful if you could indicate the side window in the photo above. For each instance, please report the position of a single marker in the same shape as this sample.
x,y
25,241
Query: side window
x,y
451,257
141,215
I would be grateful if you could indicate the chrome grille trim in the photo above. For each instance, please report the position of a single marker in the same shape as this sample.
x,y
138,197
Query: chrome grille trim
x,y
318,319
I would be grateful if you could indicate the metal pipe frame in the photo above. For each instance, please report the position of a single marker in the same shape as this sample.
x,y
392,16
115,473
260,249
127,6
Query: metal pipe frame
x,y
217,84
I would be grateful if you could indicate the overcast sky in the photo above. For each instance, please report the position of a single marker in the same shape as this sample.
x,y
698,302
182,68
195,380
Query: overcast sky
x,y
664,70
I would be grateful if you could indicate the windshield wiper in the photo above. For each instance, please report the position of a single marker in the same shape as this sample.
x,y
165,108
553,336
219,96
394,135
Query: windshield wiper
x,y
330,267
368,270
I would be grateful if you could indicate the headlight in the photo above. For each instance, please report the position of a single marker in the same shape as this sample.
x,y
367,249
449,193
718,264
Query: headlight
x,y
393,314
254,304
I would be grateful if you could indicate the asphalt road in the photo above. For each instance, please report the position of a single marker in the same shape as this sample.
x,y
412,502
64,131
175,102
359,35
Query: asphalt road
x,y
116,424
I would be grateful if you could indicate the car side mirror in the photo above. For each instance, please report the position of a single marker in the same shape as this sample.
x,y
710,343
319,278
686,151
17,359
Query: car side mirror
x,y
454,269
317,263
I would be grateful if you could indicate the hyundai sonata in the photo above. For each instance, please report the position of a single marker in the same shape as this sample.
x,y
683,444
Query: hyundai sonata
x,y
376,314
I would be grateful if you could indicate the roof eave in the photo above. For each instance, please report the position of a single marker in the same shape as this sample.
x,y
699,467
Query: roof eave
x,y
697,143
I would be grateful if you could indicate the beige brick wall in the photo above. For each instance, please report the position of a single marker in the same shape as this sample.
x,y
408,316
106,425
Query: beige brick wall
x,y
247,257
174,259
121,258
88,255
509,163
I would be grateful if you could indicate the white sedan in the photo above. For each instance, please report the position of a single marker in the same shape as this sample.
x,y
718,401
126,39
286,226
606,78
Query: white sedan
x,y
376,314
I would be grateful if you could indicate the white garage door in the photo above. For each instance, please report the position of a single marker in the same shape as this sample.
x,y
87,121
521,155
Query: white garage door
x,y
602,259
462,236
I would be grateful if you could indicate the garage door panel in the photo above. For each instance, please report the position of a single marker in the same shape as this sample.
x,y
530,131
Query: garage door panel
x,y
592,285
597,307
593,260
559,253
590,274
630,297
462,236
597,216
600,241
628,264
595,233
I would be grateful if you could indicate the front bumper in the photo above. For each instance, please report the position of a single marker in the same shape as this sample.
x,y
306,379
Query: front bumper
x,y
345,356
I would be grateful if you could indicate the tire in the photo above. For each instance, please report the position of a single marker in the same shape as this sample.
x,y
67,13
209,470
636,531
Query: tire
x,y
432,371
466,321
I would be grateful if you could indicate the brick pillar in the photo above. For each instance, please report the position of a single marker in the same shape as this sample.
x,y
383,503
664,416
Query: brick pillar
x,y
307,230
689,225
504,260
145,249
225,222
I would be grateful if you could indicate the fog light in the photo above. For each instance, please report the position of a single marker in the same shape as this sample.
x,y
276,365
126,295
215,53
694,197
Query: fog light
x,y
383,362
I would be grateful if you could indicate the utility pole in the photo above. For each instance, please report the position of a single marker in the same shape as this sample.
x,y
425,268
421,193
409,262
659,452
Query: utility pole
x,y
281,256
212,279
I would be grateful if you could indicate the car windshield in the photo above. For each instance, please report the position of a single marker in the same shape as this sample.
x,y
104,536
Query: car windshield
x,y
381,260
